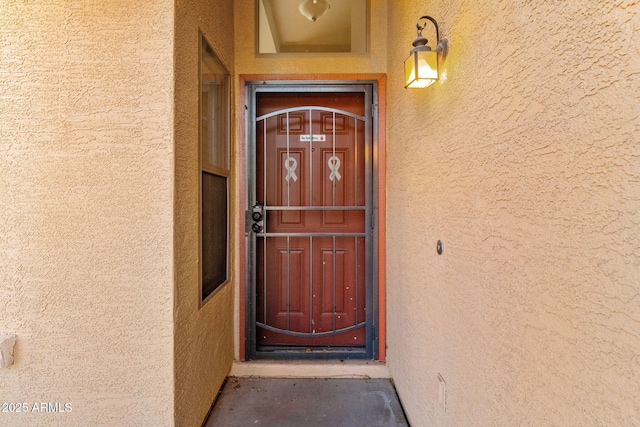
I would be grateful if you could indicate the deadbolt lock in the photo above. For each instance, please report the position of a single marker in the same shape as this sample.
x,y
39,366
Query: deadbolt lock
x,y
257,214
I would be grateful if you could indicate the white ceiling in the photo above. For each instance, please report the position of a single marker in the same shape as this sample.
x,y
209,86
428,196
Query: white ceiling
x,y
332,32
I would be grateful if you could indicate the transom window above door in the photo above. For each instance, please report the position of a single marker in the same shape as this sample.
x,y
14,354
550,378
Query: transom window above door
x,y
312,26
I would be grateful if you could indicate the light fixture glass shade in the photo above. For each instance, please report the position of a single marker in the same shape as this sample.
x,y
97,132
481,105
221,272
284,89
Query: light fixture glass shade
x,y
313,9
421,68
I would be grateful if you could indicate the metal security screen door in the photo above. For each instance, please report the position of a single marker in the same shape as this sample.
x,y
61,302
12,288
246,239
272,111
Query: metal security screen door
x,y
311,222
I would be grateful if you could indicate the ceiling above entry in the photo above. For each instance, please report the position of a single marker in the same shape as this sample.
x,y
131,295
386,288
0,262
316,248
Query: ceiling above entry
x,y
302,26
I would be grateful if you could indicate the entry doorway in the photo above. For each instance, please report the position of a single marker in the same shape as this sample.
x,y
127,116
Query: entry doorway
x,y
311,282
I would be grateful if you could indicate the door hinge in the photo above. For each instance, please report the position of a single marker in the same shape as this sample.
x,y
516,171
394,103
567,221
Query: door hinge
x,y
373,222
247,222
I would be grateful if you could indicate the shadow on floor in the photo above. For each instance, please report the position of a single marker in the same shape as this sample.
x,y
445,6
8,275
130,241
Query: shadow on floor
x,y
277,402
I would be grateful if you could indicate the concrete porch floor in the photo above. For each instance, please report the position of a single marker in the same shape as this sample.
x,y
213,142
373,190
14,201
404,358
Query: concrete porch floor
x,y
307,402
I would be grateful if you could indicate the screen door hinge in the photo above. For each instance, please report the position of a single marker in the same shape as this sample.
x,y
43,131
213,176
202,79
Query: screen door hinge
x,y
373,222
247,222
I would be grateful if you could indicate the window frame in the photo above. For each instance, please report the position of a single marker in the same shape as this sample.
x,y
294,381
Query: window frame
x,y
318,53
224,170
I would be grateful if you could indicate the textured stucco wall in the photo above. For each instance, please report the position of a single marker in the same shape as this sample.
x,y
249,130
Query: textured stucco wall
x,y
203,336
86,207
248,63
525,161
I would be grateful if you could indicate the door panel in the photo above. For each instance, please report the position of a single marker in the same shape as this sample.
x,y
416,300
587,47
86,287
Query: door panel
x,y
313,171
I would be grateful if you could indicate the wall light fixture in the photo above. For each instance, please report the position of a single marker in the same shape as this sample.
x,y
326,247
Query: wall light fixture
x,y
421,67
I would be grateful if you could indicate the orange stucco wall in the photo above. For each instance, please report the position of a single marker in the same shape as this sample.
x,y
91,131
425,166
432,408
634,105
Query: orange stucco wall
x,y
203,336
524,159
86,206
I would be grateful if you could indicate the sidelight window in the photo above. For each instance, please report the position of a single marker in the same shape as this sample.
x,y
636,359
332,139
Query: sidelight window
x,y
214,171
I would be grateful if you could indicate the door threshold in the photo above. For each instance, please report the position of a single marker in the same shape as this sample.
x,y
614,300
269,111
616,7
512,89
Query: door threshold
x,y
335,353
310,369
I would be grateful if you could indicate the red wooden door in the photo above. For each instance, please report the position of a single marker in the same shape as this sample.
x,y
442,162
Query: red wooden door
x,y
311,179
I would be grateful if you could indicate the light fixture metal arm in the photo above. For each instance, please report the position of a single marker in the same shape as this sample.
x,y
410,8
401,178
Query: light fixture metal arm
x,y
423,26
441,44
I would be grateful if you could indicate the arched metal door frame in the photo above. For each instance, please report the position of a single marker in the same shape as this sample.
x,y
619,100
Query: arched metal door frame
x,y
370,350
